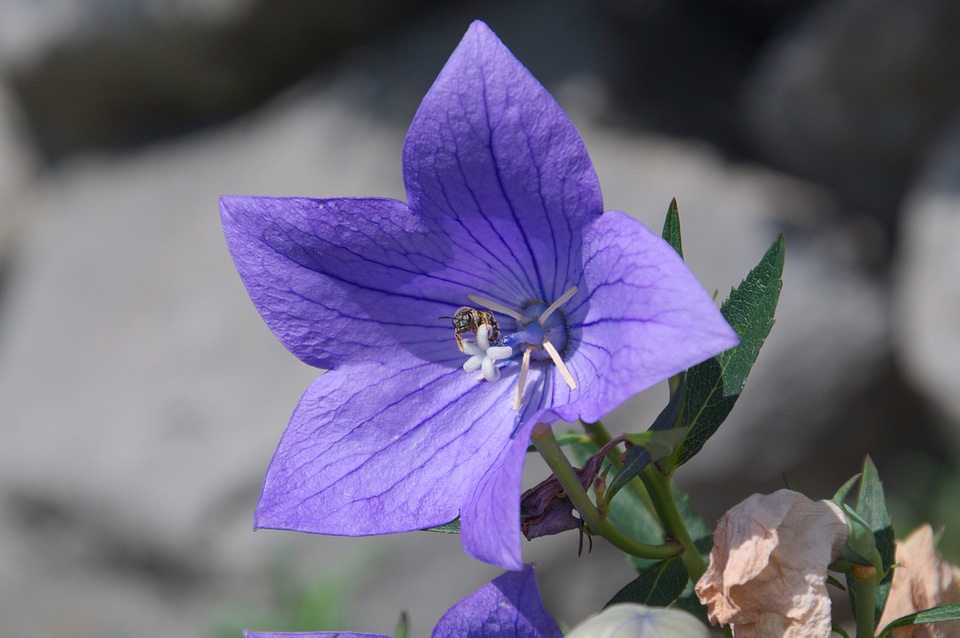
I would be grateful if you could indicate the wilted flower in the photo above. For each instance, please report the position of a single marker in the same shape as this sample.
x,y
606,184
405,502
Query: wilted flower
x,y
922,579
629,620
507,607
768,567
547,509
581,309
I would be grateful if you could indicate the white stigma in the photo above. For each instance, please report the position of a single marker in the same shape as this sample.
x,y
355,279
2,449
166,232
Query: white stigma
x,y
483,356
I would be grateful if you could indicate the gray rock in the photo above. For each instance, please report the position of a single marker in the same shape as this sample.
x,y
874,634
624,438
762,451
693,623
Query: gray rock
x,y
125,313
142,394
927,290
854,93
107,73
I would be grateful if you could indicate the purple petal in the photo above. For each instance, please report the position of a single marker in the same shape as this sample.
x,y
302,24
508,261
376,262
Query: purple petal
x,y
490,519
508,607
375,449
347,278
645,318
496,163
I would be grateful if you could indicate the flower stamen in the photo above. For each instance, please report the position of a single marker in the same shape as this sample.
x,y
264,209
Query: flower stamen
x,y
561,366
522,381
562,299
496,307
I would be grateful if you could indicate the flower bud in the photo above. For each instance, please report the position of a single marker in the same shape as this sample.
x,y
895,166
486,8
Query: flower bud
x,y
629,620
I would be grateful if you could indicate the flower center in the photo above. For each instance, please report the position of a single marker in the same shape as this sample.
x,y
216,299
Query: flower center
x,y
535,328
542,335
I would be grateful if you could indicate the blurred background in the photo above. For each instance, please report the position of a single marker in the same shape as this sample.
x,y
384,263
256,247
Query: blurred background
x,y
141,396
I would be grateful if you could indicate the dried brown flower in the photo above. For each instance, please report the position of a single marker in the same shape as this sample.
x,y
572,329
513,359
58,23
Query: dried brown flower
x,y
768,567
922,579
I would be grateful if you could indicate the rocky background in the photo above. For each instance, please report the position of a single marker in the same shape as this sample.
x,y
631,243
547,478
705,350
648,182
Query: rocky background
x,y
141,396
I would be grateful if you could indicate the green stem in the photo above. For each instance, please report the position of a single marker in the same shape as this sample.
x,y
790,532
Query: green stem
x,y
601,437
864,596
661,493
667,466
549,449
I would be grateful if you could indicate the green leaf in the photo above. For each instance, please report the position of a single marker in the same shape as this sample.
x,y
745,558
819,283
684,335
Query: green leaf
x,y
630,515
844,492
872,508
871,504
453,527
403,626
658,586
689,602
713,387
659,443
788,482
836,583
671,228
639,458
936,614
699,533
651,446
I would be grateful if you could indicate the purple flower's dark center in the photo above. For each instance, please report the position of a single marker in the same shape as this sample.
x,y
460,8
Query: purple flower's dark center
x,y
542,335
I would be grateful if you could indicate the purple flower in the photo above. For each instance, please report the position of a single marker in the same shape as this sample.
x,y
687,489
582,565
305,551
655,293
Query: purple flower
x,y
504,215
507,607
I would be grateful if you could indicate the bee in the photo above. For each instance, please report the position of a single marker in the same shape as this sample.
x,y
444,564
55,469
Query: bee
x,y
469,319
